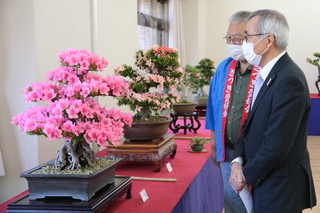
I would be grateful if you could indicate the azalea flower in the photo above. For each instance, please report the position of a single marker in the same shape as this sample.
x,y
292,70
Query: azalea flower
x,y
157,68
72,112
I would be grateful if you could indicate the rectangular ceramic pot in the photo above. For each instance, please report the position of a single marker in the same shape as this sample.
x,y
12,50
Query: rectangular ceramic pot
x,y
81,187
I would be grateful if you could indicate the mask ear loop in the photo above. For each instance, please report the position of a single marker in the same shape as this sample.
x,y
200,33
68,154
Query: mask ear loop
x,y
259,40
265,49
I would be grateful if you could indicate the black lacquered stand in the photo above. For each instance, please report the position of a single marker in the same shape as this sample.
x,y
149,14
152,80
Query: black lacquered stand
x,y
98,203
317,84
194,116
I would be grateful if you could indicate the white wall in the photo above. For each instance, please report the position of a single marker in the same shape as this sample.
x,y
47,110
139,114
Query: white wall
x,y
18,65
302,17
117,37
33,32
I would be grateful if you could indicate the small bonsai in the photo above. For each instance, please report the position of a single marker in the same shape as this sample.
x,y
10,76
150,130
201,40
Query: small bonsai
x,y
198,141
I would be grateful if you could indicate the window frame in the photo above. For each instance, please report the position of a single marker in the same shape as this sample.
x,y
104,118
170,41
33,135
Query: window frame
x,y
152,27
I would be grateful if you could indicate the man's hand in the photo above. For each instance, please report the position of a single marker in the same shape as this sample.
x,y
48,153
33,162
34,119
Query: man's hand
x,y
237,180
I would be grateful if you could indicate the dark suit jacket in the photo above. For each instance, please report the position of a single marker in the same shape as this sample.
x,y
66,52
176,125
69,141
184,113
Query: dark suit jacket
x,y
273,142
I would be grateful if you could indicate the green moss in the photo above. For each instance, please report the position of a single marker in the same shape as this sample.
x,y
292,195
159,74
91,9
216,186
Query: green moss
x,y
185,102
51,169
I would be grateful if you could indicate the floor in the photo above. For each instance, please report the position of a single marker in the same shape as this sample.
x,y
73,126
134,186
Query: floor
x,y
314,150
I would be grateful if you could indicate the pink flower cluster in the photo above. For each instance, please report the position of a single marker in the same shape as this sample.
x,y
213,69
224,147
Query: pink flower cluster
x,y
162,50
73,118
83,60
156,101
92,85
72,112
157,68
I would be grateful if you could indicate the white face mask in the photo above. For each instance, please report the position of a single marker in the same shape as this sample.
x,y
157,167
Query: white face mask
x,y
236,52
250,55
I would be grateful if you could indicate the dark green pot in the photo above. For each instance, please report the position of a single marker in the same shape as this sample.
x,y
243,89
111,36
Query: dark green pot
x,y
197,148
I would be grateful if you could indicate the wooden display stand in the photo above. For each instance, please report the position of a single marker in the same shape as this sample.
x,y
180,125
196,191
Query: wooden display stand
x,y
145,151
98,203
186,126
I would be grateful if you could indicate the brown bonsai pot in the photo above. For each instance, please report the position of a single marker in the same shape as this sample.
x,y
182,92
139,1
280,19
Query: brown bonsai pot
x,y
184,108
148,130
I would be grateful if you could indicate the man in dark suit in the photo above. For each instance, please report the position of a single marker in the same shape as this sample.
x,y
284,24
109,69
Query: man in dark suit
x,y
271,154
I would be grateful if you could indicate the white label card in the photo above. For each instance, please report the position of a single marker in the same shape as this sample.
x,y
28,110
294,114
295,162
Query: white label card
x,y
169,167
144,195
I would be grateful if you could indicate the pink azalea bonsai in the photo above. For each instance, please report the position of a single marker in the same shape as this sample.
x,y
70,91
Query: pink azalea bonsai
x,y
72,112
155,71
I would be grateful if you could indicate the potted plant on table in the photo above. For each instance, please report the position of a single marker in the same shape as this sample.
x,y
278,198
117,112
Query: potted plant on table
x,y
316,63
155,71
184,107
73,114
199,76
197,144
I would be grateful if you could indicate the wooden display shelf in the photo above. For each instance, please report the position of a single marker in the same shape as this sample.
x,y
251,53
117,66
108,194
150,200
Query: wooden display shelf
x,y
145,151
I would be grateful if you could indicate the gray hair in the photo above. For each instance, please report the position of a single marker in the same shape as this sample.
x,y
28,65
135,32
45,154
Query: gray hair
x,y
275,23
239,17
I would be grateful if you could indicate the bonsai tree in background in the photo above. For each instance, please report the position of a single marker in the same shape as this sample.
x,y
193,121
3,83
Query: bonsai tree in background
x,y
72,112
195,141
199,76
314,61
155,71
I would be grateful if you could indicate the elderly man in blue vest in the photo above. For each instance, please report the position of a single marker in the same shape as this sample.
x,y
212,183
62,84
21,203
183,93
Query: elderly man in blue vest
x,y
228,105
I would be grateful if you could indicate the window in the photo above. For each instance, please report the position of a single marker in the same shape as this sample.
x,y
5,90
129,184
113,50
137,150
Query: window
x,y
152,23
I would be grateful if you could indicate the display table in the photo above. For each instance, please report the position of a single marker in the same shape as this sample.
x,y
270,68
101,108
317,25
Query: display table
x,y
145,151
194,116
314,117
199,185
99,202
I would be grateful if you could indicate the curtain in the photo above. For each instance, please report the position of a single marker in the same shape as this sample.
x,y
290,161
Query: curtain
x,y
176,33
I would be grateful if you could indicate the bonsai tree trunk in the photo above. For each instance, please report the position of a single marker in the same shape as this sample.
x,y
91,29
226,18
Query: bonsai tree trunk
x,y
144,114
74,154
201,92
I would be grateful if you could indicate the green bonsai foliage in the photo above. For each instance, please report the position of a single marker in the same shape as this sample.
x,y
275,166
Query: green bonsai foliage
x,y
199,76
155,70
198,141
314,61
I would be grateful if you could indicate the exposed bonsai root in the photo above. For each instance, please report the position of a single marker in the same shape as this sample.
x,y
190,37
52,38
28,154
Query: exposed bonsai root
x,y
88,153
74,155
145,113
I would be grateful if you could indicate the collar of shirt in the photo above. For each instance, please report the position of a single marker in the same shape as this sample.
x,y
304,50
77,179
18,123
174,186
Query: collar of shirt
x,y
238,68
264,72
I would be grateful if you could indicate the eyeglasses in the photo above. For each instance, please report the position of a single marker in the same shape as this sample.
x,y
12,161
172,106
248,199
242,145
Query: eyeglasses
x,y
229,39
259,34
